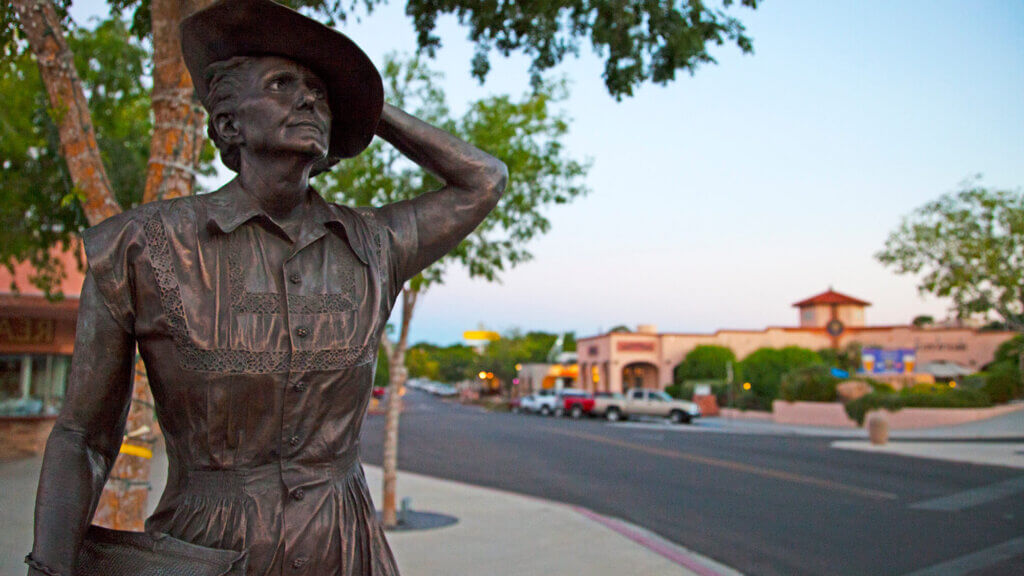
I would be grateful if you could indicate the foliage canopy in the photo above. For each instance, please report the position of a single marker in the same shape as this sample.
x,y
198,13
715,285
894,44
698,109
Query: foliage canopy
x,y
639,41
526,134
37,207
968,246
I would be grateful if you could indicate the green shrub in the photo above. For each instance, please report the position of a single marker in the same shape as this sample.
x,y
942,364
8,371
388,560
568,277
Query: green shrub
x,y
750,401
1002,381
947,398
809,384
704,362
765,367
879,386
686,390
682,391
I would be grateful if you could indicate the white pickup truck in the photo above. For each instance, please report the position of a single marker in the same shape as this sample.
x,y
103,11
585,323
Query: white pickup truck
x,y
644,402
541,402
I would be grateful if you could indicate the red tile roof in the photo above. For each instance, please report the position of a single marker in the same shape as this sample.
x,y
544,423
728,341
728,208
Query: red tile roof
x,y
831,297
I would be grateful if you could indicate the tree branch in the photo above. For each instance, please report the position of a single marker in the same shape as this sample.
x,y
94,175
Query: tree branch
x,y
68,107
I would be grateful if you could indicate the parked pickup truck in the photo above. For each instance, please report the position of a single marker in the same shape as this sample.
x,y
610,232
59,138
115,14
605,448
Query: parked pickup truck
x,y
575,403
542,402
644,402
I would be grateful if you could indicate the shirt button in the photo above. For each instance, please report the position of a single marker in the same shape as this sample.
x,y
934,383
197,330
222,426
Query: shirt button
x,y
299,563
294,440
295,278
302,332
299,494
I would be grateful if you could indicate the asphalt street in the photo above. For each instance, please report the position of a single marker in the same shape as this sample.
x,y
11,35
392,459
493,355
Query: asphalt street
x,y
761,503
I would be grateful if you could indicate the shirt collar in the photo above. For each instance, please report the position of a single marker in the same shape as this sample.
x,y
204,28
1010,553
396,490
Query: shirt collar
x,y
231,206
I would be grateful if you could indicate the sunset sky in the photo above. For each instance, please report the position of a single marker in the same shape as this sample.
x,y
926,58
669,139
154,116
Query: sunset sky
x,y
720,199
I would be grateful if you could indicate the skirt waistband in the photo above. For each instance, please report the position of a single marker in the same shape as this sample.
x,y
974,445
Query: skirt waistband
x,y
236,481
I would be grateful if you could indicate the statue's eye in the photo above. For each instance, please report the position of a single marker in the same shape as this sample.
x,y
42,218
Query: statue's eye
x,y
318,93
279,83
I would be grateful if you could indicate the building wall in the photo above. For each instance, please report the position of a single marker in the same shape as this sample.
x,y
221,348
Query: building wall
x,y
963,346
819,315
34,335
613,352
35,332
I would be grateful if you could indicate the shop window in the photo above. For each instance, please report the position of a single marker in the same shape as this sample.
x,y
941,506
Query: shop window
x,y
32,384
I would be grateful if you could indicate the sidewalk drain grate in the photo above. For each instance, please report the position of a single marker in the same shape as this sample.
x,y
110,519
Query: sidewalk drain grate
x,y
413,520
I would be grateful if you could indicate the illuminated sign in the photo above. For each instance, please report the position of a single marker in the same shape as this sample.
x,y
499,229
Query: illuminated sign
x,y
27,330
882,361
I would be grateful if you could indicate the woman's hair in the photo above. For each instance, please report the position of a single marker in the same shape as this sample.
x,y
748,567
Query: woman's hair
x,y
225,79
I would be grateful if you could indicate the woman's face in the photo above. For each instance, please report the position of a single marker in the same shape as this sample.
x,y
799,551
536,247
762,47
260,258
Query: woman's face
x,y
282,108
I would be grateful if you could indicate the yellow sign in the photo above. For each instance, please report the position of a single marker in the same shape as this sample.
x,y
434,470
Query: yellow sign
x,y
480,335
133,450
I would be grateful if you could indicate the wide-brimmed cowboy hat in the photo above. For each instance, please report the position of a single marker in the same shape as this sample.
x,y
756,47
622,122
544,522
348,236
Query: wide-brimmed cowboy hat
x,y
232,28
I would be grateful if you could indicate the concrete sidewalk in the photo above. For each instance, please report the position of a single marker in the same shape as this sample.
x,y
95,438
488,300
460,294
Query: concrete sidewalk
x,y
1005,427
505,533
1009,454
496,532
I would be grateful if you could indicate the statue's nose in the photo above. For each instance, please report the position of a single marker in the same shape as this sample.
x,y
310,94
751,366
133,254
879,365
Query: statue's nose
x,y
306,98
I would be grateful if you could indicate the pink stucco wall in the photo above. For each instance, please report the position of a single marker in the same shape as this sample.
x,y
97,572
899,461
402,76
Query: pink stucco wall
x,y
909,418
613,352
826,414
963,346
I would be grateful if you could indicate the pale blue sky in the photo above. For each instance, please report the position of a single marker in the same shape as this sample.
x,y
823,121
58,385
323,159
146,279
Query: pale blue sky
x,y
719,200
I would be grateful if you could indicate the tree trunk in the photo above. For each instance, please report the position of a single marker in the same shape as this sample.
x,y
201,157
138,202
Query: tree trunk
x,y
68,107
174,151
175,148
399,374
178,117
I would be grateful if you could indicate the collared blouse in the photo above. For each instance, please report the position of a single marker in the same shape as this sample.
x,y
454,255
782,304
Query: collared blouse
x,y
260,350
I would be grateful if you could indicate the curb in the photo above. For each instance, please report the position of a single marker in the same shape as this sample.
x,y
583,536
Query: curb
x,y
696,563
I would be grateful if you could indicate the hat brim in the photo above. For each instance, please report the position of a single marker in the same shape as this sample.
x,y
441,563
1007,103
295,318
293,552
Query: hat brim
x,y
233,28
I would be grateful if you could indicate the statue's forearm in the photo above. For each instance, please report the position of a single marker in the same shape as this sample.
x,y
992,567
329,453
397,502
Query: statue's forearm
x,y
474,182
87,436
455,162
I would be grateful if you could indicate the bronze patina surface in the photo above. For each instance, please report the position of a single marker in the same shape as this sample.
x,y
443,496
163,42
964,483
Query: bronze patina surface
x,y
258,310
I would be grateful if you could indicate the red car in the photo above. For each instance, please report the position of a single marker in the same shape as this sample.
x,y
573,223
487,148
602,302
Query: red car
x,y
576,403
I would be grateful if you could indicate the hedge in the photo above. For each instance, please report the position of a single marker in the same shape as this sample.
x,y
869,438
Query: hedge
x,y
953,398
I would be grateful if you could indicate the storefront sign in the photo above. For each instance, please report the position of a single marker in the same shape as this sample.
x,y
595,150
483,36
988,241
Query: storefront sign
x,y
27,330
939,346
882,361
635,347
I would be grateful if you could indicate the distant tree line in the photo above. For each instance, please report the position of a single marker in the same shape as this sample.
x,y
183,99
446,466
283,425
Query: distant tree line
x,y
459,362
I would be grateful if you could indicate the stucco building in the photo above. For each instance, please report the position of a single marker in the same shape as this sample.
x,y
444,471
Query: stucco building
x,y
646,358
37,337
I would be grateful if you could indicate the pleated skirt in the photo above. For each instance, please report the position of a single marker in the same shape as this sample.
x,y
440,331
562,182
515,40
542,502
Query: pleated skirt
x,y
326,526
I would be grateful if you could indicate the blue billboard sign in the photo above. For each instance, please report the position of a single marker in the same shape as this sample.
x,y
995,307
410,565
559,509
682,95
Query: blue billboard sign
x,y
892,361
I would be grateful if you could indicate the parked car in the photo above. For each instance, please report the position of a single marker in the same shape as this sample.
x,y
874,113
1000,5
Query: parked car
x,y
542,402
444,390
645,402
573,402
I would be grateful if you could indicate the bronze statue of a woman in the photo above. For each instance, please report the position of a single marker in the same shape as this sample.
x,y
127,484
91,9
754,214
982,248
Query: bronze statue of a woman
x,y
258,308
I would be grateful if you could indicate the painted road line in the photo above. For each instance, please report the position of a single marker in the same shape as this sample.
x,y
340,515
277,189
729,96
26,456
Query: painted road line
x,y
976,561
696,563
971,498
735,466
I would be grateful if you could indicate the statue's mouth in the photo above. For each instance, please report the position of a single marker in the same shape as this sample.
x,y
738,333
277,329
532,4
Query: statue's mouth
x,y
309,123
